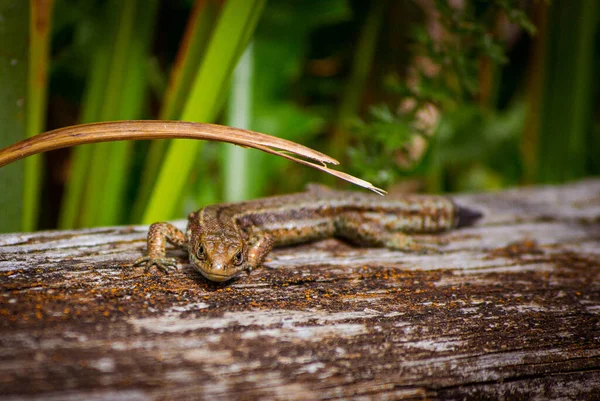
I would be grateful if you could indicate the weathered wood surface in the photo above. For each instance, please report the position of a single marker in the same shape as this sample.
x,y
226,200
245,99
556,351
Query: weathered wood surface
x,y
510,309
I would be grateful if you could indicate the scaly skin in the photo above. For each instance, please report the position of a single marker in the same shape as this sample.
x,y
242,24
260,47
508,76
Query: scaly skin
x,y
226,239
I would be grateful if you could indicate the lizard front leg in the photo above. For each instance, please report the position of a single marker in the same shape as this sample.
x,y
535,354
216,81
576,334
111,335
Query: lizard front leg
x,y
158,235
260,244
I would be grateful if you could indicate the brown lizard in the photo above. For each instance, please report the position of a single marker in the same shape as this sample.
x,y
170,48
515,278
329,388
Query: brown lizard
x,y
225,239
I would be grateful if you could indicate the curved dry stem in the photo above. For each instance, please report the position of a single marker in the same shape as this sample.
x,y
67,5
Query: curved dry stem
x,y
159,129
323,167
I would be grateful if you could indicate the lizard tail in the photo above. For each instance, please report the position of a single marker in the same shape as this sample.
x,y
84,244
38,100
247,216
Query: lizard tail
x,y
467,217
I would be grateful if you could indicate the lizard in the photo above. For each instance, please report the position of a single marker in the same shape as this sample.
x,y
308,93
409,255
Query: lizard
x,y
223,240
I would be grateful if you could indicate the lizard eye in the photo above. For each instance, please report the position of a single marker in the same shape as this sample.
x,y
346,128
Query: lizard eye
x,y
200,254
238,258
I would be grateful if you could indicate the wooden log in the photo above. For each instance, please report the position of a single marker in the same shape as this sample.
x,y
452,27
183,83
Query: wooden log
x,y
509,309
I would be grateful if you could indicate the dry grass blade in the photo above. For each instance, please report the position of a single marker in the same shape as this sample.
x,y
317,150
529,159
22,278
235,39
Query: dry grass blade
x,y
149,129
323,167
156,129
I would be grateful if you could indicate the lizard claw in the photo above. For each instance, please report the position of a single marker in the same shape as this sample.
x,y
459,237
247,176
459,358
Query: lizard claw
x,y
162,264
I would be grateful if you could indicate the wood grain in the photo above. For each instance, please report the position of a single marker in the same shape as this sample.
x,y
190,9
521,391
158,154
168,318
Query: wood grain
x,y
509,309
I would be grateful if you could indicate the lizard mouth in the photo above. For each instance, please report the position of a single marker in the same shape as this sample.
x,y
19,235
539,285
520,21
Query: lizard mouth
x,y
216,276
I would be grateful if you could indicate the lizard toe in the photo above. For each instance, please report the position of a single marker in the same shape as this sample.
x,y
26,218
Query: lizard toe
x,y
141,261
162,264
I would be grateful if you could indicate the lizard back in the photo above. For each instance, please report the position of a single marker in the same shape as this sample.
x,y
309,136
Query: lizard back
x,y
311,215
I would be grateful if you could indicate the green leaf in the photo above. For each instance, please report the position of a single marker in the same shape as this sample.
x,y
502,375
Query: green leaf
x,y
567,91
193,48
117,91
14,26
231,35
39,33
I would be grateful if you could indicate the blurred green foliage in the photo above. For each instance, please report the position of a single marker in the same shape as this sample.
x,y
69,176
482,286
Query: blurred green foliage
x,y
459,96
13,83
467,139
445,95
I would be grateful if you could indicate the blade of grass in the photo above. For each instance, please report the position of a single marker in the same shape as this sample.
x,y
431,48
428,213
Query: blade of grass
x,y
230,37
13,81
132,101
192,49
123,97
81,158
120,26
39,34
153,129
536,73
566,108
236,169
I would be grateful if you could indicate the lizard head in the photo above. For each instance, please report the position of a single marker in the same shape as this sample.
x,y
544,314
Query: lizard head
x,y
217,258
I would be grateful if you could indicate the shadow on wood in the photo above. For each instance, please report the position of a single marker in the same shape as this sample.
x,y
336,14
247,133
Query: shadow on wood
x,y
511,308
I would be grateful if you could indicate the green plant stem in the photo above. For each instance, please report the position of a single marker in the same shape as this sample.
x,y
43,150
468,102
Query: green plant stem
x,y
567,91
192,49
132,101
227,44
13,81
236,169
122,99
39,33
92,104
535,74
104,162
